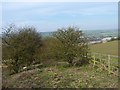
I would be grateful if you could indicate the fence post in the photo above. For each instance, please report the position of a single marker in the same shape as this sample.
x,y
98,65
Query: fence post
x,y
94,60
100,57
109,64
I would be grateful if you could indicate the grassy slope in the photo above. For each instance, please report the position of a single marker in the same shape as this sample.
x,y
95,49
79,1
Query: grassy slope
x,y
106,48
69,77
59,76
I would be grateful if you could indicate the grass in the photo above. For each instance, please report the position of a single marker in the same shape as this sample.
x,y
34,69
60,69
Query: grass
x,y
62,77
106,48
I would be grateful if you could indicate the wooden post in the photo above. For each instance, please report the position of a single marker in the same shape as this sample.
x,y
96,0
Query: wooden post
x,y
109,64
94,59
100,57
100,62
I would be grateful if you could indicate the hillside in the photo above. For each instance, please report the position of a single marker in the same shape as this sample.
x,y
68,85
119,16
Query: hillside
x,y
62,77
106,48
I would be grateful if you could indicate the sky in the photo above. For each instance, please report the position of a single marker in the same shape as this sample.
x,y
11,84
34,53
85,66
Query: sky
x,y
49,16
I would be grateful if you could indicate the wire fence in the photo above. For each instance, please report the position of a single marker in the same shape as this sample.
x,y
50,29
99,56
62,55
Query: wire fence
x,y
106,62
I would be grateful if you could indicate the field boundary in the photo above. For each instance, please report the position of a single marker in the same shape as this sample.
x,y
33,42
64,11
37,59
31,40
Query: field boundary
x,y
106,62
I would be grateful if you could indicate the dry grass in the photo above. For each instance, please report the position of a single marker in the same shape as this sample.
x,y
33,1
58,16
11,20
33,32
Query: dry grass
x,y
62,77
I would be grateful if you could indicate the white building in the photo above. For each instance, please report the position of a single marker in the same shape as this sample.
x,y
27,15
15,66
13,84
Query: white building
x,y
115,37
94,42
106,39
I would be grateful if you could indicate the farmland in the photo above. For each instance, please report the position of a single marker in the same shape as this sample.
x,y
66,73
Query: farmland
x,y
106,48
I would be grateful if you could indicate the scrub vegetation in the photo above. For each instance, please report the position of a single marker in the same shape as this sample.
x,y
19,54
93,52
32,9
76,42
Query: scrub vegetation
x,y
60,61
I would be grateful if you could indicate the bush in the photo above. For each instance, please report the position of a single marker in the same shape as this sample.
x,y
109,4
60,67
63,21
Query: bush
x,y
73,44
20,45
51,50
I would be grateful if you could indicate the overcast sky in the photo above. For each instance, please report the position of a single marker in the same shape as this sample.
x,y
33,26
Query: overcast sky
x,y
50,16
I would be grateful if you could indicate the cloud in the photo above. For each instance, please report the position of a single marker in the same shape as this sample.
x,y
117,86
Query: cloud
x,y
58,14
60,0
14,6
57,8
100,10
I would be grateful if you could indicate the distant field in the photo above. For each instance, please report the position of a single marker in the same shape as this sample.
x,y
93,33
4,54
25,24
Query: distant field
x,y
106,48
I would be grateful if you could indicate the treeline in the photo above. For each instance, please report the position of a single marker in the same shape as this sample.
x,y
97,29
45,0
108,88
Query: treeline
x,y
24,47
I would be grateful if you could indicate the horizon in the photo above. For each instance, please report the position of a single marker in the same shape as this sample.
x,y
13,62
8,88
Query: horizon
x,y
48,17
88,30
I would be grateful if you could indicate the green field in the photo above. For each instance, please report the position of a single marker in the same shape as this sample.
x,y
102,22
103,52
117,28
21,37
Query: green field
x,y
106,48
